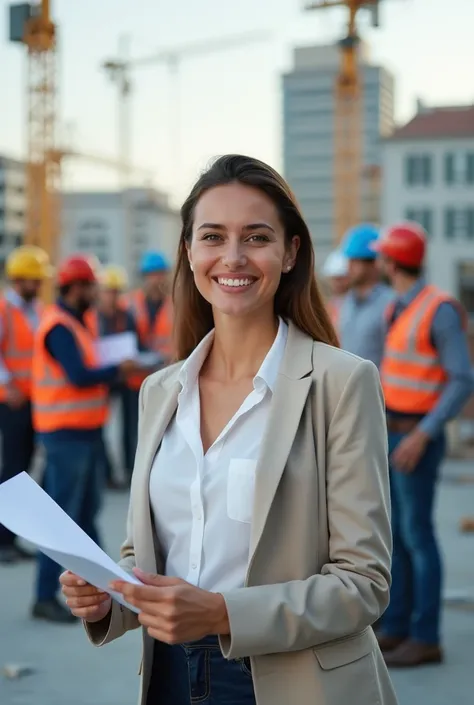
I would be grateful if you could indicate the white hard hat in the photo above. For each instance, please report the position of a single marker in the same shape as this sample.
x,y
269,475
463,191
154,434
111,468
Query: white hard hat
x,y
336,265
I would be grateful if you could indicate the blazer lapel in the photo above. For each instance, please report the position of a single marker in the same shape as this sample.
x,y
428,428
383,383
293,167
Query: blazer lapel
x,y
161,405
291,391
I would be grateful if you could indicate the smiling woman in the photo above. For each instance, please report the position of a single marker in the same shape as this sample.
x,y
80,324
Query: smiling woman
x,y
242,218
258,521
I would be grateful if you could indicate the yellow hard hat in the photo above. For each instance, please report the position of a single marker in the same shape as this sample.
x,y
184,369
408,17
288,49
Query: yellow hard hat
x,y
114,278
28,262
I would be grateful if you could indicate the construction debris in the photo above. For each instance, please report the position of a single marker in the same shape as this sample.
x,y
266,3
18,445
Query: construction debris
x,y
14,671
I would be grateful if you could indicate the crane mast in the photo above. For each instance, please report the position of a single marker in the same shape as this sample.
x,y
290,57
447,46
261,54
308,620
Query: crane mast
x,y
348,120
31,24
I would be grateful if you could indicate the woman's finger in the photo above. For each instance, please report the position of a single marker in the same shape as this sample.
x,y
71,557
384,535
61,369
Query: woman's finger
x,y
71,579
79,602
86,612
151,620
86,591
153,609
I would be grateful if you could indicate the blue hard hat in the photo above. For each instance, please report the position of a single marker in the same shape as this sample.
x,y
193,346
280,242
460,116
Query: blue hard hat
x,y
154,262
358,241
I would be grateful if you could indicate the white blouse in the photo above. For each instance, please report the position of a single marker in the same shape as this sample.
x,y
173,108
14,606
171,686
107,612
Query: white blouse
x,y
202,504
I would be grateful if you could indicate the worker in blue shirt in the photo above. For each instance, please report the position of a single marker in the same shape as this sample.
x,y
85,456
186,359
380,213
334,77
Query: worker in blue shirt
x,y
427,379
70,405
361,318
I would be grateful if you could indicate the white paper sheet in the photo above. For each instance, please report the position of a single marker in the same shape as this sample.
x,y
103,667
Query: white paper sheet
x,y
148,359
114,349
30,513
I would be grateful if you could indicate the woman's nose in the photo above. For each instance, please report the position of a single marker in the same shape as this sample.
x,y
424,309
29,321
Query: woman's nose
x,y
234,256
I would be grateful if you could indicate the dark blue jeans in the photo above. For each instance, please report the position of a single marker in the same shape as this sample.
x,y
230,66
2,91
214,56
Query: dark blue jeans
x,y
415,597
18,444
129,404
74,478
197,673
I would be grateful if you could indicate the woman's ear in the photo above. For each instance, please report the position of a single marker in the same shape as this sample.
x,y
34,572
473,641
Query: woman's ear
x,y
291,254
188,252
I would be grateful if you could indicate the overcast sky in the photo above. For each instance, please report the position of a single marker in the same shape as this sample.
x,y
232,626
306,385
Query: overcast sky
x,y
227,101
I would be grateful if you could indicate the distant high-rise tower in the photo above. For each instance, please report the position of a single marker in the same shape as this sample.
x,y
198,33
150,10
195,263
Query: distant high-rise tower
x,y
308,135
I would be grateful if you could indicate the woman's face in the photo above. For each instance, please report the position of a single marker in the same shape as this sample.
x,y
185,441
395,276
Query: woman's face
x,y
238,251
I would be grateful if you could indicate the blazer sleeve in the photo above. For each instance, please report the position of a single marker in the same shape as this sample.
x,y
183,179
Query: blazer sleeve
x,y
352,589
120,619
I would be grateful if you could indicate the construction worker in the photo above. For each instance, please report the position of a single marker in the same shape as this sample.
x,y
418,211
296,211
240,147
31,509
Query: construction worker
x,y
336,273
361,322
426,378
151,305
69,396
20,312
109,317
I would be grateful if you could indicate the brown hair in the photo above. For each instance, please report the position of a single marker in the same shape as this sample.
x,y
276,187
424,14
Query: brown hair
x,y
298,297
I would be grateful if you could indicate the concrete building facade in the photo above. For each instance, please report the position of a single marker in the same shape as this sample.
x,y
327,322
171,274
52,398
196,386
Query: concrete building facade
x,y
428,176
12,205
99,222
308,132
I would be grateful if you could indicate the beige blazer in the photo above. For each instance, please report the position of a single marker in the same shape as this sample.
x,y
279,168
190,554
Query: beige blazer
x,y
319,568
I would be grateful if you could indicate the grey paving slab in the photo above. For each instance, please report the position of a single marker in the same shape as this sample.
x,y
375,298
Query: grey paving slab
x,y
69,670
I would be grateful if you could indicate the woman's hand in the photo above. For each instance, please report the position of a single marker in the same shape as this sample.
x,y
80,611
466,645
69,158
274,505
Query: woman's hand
x,y
172,610
84,600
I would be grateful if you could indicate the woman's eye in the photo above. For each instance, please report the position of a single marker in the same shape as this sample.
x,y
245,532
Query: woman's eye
x,y
211,236
258,237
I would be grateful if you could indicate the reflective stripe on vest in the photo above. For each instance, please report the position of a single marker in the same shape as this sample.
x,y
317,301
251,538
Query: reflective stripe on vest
x,y
412,376
57,403
17,347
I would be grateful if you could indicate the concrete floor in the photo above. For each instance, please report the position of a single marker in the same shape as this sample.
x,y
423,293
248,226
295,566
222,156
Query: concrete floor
x,y
66,669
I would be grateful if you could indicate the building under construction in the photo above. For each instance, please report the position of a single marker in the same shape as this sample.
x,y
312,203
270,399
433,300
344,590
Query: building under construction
x,y
309,108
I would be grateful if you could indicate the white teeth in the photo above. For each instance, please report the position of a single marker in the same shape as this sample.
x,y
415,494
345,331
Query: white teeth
x,y
234,282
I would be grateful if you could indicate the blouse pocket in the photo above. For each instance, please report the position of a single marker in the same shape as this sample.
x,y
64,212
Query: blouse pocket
x,y
240,489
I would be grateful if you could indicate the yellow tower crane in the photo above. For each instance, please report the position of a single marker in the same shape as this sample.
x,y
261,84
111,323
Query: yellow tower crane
x,y
31,24
348,125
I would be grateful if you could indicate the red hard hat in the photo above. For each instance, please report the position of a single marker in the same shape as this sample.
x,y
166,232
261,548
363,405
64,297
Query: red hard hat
x,y
78,268
405,243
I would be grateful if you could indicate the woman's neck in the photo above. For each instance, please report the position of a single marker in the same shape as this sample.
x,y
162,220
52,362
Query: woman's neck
x,y
240,346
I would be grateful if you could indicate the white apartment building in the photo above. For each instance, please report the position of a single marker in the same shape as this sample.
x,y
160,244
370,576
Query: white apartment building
x,y
119,226
12,205
428,176
308,132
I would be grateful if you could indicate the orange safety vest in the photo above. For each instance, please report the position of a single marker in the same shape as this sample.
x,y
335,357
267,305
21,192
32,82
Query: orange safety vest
x,y
411,373
16,347
91,319
57,403
156,337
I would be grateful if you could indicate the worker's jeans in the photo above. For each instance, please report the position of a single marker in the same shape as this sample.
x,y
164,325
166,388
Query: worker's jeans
x,y
129,404
197,672
18,446
415,597
74,478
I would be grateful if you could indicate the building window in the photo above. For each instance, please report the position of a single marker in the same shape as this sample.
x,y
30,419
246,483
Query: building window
x,y
423,216
418,170
83,243
459,222
459,168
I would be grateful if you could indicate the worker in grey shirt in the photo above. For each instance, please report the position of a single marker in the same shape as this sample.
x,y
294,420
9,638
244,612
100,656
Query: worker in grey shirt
x,y
362,323
427,379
